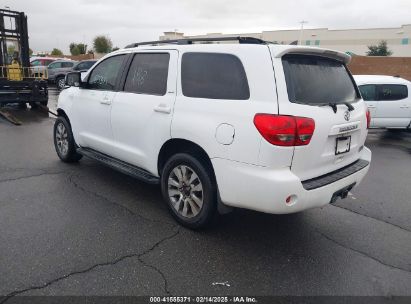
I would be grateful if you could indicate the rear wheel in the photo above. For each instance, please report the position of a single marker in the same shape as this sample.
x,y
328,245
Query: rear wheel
x,y
189,189
64,141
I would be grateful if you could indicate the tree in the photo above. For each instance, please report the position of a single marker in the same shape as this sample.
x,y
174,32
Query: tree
x,y
82,48
56,52
77,48
379,50
30,52
102,44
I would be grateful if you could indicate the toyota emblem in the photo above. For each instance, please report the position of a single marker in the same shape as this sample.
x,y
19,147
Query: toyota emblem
x,y
347,115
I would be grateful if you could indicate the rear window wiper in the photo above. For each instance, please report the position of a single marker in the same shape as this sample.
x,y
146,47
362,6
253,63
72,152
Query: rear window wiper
x,y
333,105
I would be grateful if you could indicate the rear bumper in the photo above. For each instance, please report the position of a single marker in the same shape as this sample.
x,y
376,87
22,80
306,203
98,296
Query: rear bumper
x,y
266,189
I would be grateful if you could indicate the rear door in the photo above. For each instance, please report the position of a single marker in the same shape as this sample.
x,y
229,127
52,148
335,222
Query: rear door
x,y
307,84
142,111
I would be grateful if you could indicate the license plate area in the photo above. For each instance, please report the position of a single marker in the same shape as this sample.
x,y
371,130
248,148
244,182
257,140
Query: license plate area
x,y
342,145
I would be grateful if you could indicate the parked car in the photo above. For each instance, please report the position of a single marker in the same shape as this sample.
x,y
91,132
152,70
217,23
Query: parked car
x,y
58,74
273,128
388,99
84,65
58,69
39,64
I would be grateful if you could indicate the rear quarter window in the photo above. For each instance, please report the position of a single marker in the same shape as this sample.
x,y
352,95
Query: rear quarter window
x,y
318,80
213,76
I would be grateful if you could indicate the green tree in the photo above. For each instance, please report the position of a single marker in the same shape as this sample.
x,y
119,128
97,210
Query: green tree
x,y
379,50
77,48
56,52
102,44
82,48
30,52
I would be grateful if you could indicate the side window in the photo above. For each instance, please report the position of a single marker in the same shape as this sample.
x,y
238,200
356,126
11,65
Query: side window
x,y
57,65
368,92
213,75
148,74
35,63
392,92
67,64
104,75
53,65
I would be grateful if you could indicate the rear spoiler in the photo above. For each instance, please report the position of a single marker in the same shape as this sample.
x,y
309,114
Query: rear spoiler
x,y
316,51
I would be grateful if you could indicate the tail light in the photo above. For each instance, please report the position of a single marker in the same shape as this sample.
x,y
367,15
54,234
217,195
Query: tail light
x,y
283,130
368,114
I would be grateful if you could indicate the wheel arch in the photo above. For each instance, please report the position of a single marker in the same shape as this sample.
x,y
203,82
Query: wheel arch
x,y
179,145
62,113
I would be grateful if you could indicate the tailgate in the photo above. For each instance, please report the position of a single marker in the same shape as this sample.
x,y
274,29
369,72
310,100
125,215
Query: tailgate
x,y
312,81
336,143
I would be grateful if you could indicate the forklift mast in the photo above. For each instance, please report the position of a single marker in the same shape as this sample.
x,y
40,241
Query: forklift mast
x,y
15,29
19,82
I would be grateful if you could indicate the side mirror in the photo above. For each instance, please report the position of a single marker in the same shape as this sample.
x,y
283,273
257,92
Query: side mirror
x,y
73,79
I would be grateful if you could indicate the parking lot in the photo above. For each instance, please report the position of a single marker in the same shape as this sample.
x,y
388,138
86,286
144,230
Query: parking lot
x,y
84,229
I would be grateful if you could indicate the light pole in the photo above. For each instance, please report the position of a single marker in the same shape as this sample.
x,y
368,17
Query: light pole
x,y
300,42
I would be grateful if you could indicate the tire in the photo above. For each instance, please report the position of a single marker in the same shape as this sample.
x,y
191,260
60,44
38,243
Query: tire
x,y
60,82
64,141
189,189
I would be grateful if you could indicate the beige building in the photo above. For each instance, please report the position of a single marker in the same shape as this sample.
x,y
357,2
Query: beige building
x,y
351,40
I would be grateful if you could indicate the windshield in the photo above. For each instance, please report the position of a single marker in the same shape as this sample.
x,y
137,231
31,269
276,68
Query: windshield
x,y
318,80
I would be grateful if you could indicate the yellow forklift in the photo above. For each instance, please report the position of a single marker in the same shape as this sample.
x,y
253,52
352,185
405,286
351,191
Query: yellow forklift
x,y
19,82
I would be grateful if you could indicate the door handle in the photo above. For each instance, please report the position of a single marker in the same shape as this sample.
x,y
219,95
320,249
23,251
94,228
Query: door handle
x,y
371,107
162,108
106,101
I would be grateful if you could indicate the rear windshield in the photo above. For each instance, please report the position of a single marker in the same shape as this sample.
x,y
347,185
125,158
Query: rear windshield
x,y
318,80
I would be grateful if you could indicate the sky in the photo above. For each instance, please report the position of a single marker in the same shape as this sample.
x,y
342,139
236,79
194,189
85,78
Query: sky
x,y
54,23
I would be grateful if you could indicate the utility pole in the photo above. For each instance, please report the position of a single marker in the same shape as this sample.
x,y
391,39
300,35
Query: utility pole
x,y
300,41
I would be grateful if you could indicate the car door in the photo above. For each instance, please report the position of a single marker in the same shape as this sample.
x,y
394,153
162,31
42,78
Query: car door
x,y
393,106
90,112
53,69
141,113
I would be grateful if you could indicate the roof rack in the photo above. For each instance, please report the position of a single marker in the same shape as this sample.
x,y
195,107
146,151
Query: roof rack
x,y
242,40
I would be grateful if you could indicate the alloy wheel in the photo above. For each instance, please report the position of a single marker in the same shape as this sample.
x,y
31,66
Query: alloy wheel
x,y
185,191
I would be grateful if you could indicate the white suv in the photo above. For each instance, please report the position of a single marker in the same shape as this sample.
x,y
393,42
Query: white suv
x,y
278,129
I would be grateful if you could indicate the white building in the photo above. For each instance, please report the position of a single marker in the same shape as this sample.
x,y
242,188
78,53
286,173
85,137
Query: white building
x,y
350,40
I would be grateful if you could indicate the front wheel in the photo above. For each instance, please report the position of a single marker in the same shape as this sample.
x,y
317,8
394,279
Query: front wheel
x,y
60,83
64,141
189,189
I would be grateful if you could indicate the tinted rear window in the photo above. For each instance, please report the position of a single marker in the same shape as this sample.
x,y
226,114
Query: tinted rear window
x,y
379,92
392,92
214,76
148,74
317,80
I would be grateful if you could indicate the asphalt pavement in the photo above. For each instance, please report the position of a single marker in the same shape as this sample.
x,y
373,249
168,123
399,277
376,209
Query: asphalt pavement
x,y
84,229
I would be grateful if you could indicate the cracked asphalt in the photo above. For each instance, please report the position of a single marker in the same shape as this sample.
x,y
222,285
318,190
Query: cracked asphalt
x,y
84,229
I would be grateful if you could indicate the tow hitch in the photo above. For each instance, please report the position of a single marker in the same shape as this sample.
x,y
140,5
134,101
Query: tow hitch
x,y
343,193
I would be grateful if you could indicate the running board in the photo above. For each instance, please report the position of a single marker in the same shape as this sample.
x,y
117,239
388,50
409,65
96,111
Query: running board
x,y
119,165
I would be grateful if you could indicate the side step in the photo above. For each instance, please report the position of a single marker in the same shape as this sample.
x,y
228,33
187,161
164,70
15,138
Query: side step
x,y
119,165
